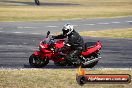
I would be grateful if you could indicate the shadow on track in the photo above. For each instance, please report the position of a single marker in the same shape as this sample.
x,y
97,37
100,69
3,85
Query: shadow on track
x,y
52,67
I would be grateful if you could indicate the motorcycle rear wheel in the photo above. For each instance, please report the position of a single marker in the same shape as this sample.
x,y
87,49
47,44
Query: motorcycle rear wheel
x,y
37,62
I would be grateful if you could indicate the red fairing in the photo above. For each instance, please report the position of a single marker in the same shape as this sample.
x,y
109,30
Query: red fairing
x,y
37,53
58,60
49,55
44,45
43,55
59,44
99,44
44,48
46,51
93,49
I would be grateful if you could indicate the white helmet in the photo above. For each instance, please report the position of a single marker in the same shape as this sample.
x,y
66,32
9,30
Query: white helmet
x,y
67,29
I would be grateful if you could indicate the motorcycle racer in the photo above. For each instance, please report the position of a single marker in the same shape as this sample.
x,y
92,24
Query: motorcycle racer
x,y
74,40
49,49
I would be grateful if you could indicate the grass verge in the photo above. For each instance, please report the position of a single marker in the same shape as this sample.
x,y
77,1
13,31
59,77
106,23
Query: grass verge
x,y
115,33
53,78
14,10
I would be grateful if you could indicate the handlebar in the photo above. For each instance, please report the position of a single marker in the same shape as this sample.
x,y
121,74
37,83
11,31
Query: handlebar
x,y
51,41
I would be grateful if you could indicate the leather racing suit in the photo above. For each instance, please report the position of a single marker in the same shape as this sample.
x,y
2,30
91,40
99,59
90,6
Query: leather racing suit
x,y
76,42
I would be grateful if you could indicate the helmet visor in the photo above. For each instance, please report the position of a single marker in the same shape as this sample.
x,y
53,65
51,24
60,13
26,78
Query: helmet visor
x,y
65,31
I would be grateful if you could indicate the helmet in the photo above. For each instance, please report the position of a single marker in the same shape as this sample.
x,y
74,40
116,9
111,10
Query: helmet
x,y
67,29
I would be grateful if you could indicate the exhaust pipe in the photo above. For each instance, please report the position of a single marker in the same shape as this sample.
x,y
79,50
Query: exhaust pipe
x,y
91,61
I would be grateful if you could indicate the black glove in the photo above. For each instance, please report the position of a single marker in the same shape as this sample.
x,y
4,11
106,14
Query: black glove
x,y
52,38
67,44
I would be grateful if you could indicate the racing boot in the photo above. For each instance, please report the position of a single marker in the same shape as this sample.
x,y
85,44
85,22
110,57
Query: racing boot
x,y
73,56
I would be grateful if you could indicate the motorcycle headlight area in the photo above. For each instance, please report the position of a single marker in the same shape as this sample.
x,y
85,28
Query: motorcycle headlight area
x,y
46,41
40,47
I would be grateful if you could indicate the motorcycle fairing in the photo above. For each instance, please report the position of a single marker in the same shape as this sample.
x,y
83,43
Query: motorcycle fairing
x,y
90,50
43,55
37,53
59,44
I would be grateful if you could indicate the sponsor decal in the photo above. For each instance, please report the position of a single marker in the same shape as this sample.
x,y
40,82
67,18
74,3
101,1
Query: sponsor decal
x,y
83,78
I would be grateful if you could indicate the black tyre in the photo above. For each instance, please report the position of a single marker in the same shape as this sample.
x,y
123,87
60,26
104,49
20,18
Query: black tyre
x,y
37,2
37,62
90,65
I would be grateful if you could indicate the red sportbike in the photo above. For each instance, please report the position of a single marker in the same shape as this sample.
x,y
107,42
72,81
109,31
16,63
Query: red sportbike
x,y
89,57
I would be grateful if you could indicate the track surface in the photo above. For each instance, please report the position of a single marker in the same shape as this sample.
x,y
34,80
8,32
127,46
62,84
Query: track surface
x,y
20,39
55,26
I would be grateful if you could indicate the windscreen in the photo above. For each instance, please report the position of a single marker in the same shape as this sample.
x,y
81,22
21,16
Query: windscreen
x,y
46,41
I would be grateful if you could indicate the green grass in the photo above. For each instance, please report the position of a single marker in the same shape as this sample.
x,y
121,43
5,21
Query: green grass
x,y
115,33
53,78
86,9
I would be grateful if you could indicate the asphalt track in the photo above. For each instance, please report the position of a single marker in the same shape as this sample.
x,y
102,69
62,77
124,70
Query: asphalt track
x,y
18,40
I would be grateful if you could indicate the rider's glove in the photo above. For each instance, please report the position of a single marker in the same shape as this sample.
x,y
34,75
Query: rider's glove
x,y
53,37
68,44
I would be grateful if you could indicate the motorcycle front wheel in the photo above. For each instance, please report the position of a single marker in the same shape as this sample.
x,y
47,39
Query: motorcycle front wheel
x,y
36,62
